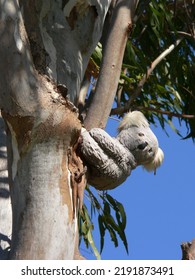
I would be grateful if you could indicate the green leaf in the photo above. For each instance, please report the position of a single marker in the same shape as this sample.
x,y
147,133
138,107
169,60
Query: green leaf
x,y
173,127
85,229
106,208
120,226
97,54
95,205
129,67
162,89
121,216
112,224
127,79
102,230
111,199
113,236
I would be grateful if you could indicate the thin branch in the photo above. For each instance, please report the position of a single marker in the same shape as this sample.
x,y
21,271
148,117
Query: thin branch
x,y
159,111
107,84
141,83
185,34
168,113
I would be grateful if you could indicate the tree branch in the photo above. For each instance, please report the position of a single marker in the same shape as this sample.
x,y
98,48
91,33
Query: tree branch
x,y
185,34
120,26
168,113
141,83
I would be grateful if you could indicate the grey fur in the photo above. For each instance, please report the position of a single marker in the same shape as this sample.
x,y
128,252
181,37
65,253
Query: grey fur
x,y
110,160
134,139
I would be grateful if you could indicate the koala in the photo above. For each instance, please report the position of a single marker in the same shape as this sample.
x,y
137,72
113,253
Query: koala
x,y
110,160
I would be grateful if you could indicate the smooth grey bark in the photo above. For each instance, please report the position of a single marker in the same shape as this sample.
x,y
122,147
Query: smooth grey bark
x,y
63,35
42,126
114,47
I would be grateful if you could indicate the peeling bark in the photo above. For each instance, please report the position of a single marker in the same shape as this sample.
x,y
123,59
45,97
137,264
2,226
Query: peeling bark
x,y
40,188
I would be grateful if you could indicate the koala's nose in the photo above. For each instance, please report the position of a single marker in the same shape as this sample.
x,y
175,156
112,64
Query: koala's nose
x,y
142,146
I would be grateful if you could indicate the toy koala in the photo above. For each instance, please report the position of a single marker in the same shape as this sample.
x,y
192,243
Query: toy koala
x,y
110,160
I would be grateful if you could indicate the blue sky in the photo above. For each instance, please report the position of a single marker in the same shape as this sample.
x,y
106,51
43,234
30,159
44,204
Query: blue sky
x,y
159,208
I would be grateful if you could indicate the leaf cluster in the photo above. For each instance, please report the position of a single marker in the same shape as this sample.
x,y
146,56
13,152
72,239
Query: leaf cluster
x,y
111,219
165,92
168,90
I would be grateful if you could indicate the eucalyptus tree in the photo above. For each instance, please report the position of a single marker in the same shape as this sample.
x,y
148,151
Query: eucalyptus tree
x,y
139,55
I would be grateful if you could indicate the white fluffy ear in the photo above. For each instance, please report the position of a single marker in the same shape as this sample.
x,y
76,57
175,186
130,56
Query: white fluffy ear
x,y
135,118
156,162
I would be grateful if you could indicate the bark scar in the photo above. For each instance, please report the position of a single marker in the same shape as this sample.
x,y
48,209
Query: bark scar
x,y
78,176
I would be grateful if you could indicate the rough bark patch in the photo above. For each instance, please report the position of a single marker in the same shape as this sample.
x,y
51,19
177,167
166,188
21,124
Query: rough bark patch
x,y
23,129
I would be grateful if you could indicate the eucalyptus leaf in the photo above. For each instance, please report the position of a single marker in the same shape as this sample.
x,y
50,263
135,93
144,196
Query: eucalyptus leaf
x,y
102,230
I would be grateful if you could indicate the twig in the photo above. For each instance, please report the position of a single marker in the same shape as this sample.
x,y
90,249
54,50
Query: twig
x,y
185,34
168,113
162,112
141,83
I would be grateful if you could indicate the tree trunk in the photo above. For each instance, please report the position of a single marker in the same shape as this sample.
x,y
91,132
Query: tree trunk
x,y
42,126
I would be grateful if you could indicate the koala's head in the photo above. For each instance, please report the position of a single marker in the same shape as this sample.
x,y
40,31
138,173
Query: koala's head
x,y
136,135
